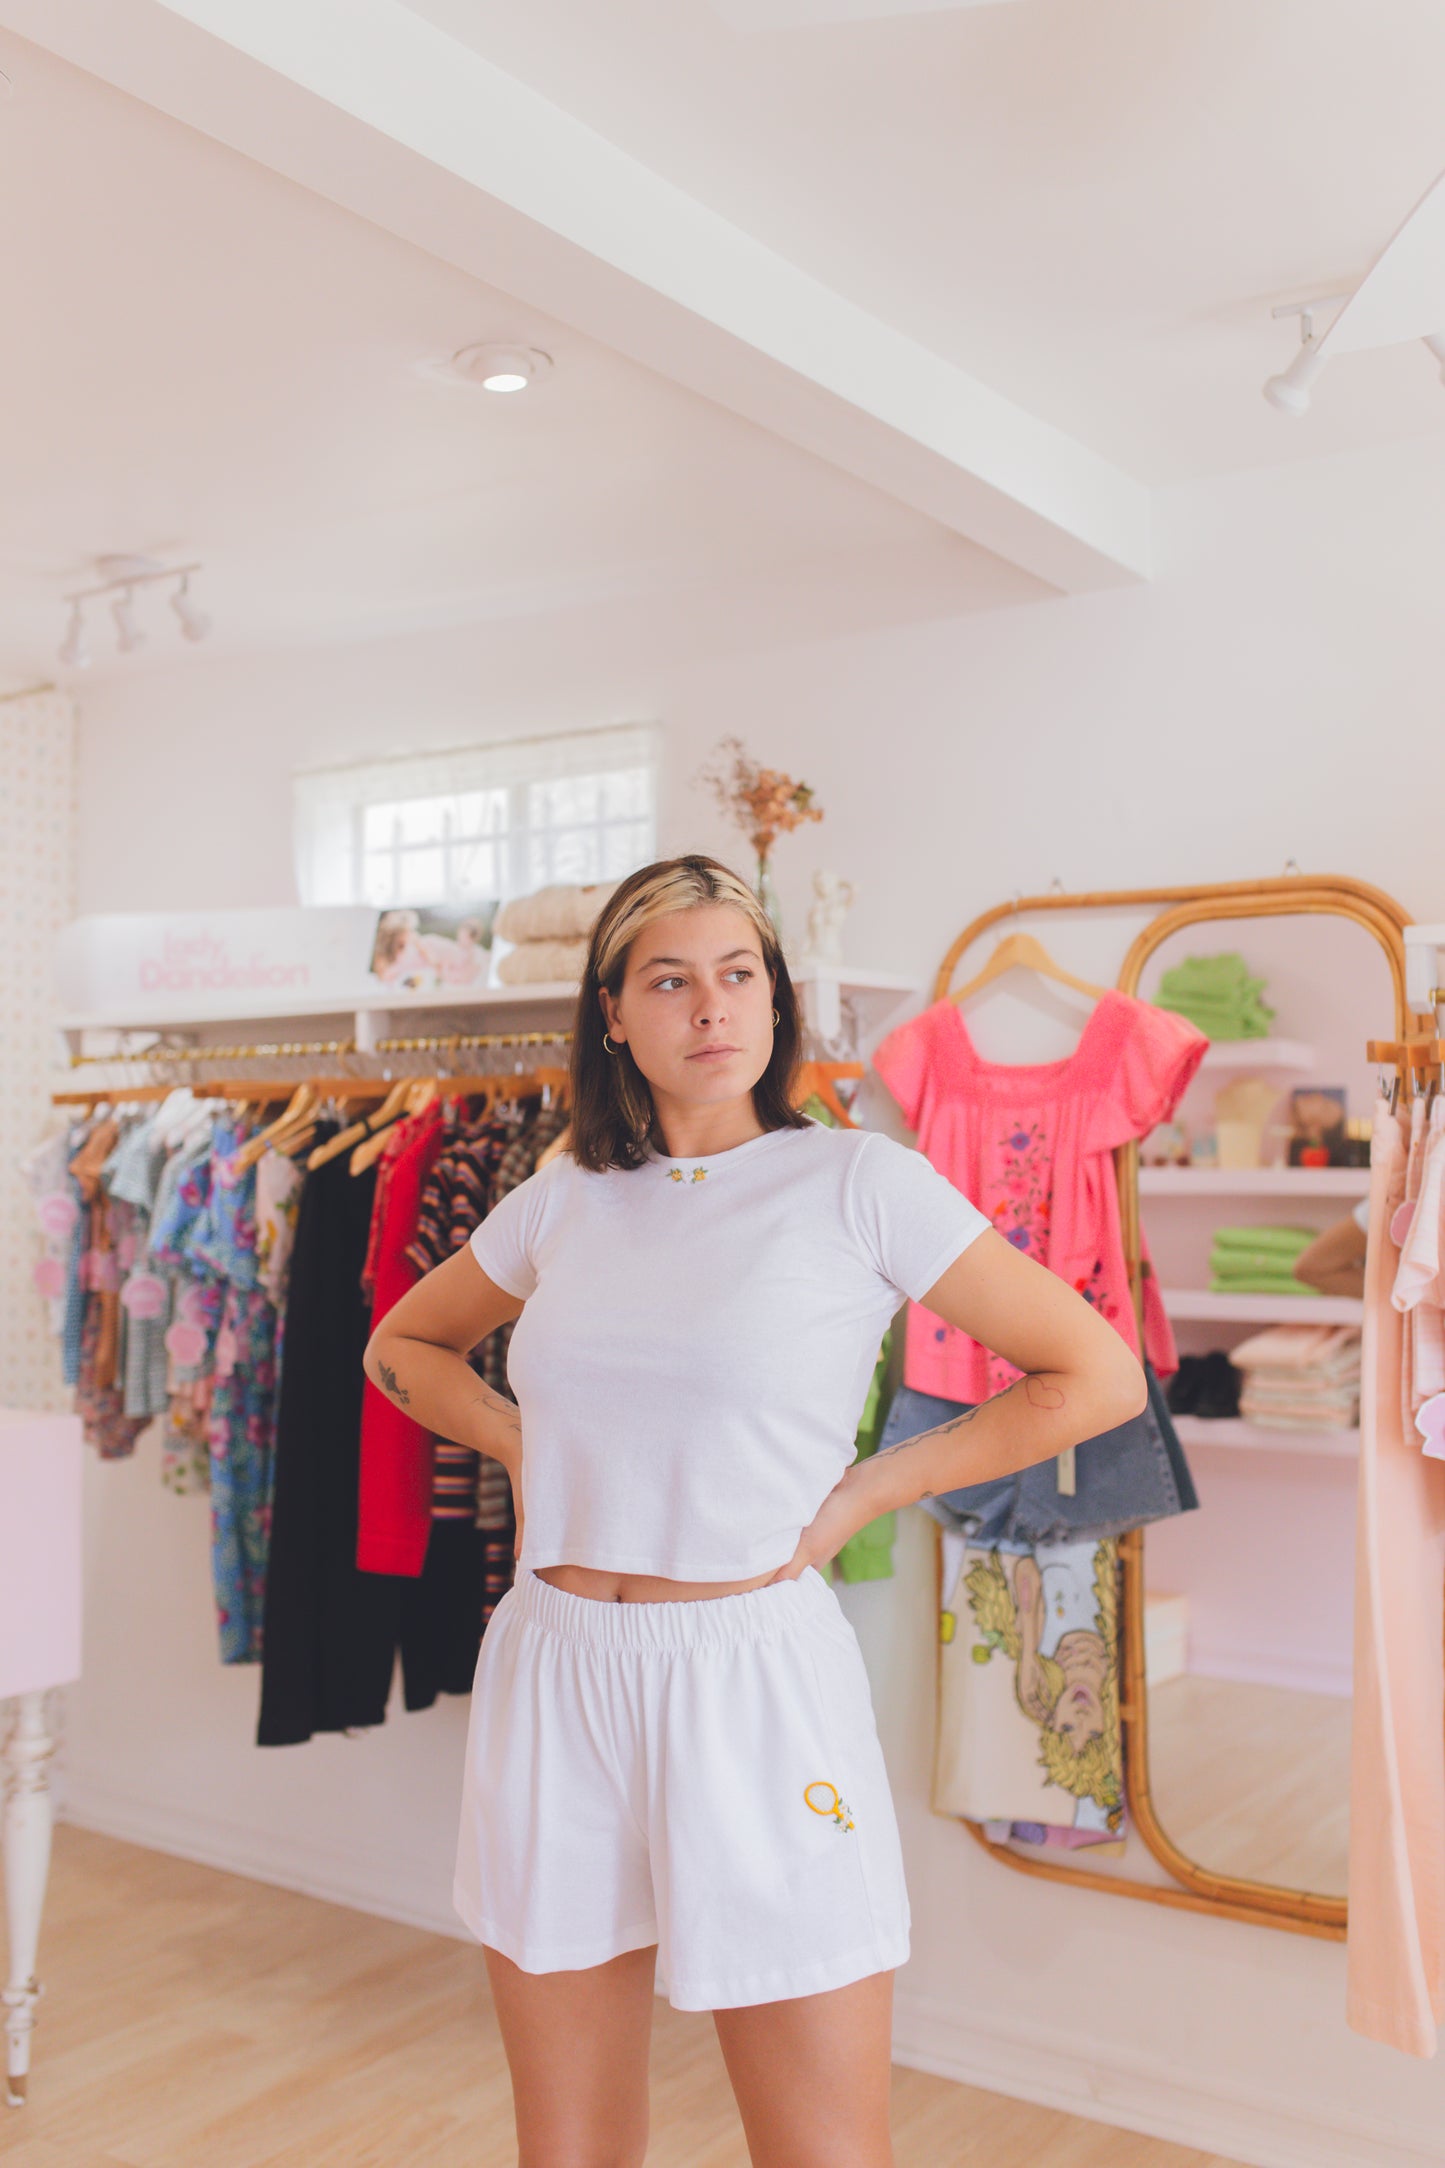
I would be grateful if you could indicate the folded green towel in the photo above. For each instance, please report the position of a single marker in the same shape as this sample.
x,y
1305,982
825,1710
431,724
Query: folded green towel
x,y
1218,995
1283,1241
1257,1284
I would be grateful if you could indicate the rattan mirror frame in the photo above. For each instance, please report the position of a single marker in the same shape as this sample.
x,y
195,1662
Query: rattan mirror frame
x,y
1197,1889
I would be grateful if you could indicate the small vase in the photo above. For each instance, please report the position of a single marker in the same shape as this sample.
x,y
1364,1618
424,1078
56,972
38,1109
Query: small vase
x,y
767,895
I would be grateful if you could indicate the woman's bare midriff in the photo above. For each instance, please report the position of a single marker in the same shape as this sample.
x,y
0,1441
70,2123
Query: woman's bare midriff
x,y
641,1587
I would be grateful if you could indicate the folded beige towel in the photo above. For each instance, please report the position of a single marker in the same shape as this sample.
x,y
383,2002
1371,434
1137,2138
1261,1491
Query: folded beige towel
x,y
1298,1347
534,963
564,912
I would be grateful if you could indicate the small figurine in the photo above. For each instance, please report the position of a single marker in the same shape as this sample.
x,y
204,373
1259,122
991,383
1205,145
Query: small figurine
x,y
824,946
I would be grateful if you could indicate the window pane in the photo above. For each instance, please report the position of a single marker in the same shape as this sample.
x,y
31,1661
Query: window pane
x,y
378,827
626,793
378,881
476,870
479,812
497,840
422,877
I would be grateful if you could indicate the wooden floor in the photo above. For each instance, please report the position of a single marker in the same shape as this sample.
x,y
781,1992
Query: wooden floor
x,y
1254,1780
195,2020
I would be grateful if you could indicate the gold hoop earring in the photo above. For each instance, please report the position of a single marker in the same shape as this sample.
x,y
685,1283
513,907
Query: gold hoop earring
x,y
606,1041
776,1018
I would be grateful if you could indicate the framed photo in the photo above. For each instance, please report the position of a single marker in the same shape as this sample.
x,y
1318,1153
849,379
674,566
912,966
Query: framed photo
x,y
442,945
1317,1117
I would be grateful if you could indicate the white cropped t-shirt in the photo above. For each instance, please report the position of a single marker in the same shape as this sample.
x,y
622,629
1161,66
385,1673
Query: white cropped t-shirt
x,y
699,1336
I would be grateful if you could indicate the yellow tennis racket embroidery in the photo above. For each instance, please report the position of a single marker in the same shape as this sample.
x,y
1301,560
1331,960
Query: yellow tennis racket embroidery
x,y
832,1804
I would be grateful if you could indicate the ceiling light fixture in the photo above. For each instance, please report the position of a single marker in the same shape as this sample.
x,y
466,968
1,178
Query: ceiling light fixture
x,y
1400,297
128,635
194,622
73,651
501,368
120,576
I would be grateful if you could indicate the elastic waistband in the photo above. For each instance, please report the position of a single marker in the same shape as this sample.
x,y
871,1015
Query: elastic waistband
x,y
703,1622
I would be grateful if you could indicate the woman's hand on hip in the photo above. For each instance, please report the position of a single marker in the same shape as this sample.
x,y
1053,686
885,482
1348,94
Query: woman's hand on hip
x,y
851,1504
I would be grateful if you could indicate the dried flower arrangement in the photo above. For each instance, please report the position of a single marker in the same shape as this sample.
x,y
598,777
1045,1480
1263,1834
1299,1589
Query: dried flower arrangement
x,y
763,802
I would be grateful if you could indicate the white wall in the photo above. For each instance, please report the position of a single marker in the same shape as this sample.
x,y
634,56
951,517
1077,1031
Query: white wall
x,y
1274,693
37,889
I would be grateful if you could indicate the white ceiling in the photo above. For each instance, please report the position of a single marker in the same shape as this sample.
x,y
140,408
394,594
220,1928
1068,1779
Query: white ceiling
x,y
1080,210
202,358
1088,204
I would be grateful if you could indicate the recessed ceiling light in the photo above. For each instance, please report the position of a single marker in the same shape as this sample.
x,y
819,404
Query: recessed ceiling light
x,y
501,368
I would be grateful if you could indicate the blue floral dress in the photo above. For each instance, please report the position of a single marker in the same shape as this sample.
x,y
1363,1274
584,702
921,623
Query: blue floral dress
x,y
241,1427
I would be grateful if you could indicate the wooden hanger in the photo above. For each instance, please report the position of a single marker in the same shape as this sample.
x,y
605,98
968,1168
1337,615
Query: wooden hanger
x,y
344,1139
421,1094
302,1105
816,1080
1022,951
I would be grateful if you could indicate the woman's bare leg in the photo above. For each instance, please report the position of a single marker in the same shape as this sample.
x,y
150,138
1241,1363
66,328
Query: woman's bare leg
x,y
577,2048
812,2076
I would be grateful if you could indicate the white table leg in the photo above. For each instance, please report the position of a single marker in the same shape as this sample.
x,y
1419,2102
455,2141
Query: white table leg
x,y
28,1817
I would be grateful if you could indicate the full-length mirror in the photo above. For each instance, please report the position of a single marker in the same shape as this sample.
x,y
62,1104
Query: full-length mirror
x,y
1171,1655
1250,1202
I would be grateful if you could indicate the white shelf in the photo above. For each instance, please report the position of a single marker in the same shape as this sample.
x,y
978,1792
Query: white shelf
x,y
1199,1303
1258,1054
1254,1181
367,1015
1237,1435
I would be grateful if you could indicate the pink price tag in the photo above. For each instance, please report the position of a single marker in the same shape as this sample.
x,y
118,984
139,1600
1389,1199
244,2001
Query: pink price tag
x,y
50,1276
1401,1220
1430,1422
57,1212
143,1296
185,1343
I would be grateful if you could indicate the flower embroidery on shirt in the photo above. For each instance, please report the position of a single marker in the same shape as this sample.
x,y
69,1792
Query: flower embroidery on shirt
x,y
1022,1212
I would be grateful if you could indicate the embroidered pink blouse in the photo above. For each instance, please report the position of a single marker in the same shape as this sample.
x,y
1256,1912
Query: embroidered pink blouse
x,y
1032,1146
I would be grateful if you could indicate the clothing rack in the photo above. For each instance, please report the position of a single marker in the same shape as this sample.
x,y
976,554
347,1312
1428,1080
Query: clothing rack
x,y
275,1050
1411,1060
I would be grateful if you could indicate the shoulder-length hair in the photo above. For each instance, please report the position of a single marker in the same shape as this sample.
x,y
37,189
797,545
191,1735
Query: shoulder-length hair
x,y
613,1116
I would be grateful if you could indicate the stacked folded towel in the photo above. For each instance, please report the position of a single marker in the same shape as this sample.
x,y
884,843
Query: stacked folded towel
x,y
1218,995
550,929
1301,1377
1258,1260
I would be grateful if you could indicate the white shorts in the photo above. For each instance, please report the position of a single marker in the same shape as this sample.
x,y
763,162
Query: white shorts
x,y
703,1774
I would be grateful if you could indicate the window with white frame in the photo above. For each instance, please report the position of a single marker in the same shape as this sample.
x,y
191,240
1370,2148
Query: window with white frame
x,y
479,822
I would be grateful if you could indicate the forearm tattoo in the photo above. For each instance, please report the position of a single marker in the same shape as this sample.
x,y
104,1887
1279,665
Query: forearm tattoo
x,y
1036,1390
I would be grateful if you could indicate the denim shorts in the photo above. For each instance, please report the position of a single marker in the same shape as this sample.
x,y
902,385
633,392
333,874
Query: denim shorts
x,y
1124,1478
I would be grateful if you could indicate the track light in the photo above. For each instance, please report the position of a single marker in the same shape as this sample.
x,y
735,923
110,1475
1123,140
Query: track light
x,y
120,577
194,622
1290,392
128,635
73,651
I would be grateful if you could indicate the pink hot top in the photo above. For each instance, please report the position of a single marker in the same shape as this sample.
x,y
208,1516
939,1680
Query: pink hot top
x,y
1031,1145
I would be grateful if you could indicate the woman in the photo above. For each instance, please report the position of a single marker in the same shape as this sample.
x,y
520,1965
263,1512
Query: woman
x,y
672,1741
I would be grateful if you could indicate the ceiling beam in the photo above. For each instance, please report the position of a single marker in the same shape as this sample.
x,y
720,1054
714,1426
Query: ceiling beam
x,y
377,109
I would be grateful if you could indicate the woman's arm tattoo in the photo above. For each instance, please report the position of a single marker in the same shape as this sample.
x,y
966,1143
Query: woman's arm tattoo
x,y
1036,1390
392,1385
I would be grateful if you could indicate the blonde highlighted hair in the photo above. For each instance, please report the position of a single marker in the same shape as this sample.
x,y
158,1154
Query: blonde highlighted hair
x,y
612,1109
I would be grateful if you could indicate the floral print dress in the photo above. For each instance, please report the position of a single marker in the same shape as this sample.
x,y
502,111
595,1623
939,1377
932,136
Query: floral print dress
x,y
241,1417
